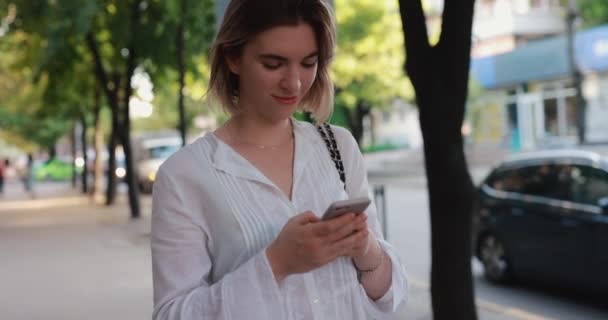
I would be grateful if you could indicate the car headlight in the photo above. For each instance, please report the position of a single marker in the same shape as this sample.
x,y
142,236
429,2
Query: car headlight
x,y
79,162
120,172
152,176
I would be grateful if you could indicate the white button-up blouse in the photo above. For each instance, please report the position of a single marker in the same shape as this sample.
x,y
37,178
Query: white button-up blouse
x,y
214,214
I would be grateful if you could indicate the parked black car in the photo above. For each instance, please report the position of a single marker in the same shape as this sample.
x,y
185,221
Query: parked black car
x,y
544,216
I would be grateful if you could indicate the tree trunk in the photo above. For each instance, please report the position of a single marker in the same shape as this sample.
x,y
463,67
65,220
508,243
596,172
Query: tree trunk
x,y
111,174
52,152
132,179
372,127
110,90
181,68
73,150
355,119
440,78
97,188
120,129
85,157
131,172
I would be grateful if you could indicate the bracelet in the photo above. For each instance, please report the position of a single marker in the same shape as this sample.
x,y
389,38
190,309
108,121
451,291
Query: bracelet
x,y
361,273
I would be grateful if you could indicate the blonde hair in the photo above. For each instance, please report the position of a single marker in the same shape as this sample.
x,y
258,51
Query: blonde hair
x,y
244,19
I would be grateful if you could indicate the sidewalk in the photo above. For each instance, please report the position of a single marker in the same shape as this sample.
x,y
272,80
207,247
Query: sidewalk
x,y
76,262
409,163
14,190
92,262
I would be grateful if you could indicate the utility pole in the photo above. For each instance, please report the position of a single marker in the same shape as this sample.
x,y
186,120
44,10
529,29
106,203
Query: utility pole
x,y
580,103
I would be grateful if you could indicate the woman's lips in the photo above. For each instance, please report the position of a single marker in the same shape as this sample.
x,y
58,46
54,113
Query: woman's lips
x,y
286,100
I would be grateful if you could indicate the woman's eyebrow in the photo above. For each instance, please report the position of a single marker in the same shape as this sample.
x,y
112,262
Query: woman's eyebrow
x,y
281,58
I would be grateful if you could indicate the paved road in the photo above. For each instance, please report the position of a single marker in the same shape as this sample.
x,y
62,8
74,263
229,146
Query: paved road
x,y
409,231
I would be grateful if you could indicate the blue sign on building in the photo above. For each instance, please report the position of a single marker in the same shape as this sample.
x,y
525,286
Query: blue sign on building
x,y
543,60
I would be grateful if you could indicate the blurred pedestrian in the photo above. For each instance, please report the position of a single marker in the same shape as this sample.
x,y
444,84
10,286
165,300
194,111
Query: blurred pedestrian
x,y
28,175
3,169
236,220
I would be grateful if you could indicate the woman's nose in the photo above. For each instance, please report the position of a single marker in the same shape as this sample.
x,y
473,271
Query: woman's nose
x,y
291,82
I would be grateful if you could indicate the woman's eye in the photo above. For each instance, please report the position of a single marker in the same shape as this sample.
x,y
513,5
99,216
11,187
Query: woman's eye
x,y
309,64
271,66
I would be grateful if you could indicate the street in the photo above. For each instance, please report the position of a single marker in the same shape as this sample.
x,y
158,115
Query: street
x,y
408,230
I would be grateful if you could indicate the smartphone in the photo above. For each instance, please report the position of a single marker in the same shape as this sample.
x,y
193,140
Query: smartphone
x,y
338,208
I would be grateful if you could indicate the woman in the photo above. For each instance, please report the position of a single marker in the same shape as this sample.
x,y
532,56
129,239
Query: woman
x,y
236,228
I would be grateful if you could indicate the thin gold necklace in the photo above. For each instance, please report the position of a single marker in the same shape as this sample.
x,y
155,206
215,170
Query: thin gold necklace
x,y
262,146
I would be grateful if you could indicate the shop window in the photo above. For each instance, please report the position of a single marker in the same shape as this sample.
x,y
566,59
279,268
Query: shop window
x,y
551,118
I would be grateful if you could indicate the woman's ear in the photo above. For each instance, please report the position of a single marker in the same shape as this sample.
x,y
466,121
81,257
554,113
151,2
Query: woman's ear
x,y
233,63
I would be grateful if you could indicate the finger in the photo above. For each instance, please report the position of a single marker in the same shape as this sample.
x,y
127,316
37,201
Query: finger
x,y
344,246
306,218
359,223
330,226
344,231
360,244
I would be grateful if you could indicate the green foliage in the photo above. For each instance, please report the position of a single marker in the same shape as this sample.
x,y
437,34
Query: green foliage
x,y
48,54
382,147
165,114
340,116
593,12
23,119
55,170
369,60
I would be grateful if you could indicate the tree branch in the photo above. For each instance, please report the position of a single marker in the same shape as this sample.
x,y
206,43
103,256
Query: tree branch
x,y
101,74
131,64
455,39
454,52
415,35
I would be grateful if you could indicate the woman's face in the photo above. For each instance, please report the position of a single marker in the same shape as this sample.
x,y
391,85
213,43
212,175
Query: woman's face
x,y
276,70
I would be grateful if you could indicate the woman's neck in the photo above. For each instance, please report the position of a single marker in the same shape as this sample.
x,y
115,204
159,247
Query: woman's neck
x,y
251,130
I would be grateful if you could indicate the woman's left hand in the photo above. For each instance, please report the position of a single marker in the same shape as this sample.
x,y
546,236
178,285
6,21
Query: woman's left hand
x,y
362,245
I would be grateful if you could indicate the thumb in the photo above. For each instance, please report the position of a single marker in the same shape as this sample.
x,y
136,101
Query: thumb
x,y
306,218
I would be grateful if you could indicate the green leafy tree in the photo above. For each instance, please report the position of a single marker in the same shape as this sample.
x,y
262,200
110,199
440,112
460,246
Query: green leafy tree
x,y
117,37
165,115
22,105
367,67
593,12
192,23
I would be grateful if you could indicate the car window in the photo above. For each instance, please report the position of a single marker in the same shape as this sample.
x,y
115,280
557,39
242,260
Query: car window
x,y
550,181
545,180
509,180
589,185
162,152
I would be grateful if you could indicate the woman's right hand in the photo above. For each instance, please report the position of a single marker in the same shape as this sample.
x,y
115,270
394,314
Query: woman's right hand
x,y
306,242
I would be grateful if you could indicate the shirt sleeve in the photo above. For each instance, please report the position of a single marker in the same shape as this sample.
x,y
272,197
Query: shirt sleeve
x,y
181,265
357,186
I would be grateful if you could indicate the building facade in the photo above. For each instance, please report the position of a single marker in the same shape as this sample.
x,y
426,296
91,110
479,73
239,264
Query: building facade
x,y
539,95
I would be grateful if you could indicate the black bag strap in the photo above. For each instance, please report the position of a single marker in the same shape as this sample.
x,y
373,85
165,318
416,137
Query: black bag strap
x,y
332,146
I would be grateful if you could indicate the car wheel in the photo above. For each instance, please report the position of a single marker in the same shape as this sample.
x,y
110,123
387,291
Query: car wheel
x,y
493,255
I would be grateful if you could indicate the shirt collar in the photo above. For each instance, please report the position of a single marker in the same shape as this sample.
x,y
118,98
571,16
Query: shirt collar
x,y
226,159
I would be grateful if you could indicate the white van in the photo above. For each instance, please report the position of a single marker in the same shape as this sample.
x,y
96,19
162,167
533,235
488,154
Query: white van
x,y
150,153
